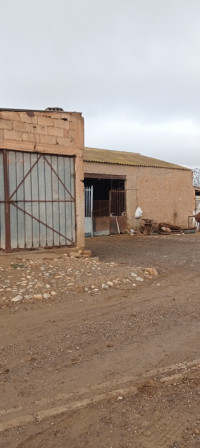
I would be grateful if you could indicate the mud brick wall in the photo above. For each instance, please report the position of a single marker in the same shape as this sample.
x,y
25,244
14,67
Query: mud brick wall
x,y
48,132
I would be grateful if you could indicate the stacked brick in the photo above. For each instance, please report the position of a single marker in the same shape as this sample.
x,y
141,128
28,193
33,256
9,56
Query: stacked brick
x,y
55,132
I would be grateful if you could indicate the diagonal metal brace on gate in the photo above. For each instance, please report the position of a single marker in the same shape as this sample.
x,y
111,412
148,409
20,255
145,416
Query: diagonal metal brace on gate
x,y
39,221
54,171
27,174
31,168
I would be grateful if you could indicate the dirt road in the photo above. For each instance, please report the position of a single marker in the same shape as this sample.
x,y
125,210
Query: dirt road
x,y
111,359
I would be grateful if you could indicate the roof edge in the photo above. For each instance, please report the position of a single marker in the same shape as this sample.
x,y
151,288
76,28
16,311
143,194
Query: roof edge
x,y
7,109
152,162
139,165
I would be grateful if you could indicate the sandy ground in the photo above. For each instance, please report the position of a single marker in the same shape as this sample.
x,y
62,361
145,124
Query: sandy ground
x,y
99,353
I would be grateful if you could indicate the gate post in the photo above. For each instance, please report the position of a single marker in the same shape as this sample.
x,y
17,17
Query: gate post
x,y
7,203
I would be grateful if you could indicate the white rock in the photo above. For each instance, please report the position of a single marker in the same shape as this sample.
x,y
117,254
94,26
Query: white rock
x,y
139,279
28,296
53,293
75,255
104,286
17,298
37,296
151,271
110,284
46,295
133,274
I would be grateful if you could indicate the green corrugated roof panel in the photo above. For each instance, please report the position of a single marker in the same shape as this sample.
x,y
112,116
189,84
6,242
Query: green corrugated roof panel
x,y
126,158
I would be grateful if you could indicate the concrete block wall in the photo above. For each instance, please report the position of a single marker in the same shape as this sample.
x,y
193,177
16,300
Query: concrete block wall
x,y
163,194
60,131
166,194
50,132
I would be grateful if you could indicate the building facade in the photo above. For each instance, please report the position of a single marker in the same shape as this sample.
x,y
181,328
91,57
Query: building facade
x,y
123,181
41,174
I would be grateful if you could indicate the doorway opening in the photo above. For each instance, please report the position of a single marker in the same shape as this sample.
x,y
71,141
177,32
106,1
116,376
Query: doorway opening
x,y
108,204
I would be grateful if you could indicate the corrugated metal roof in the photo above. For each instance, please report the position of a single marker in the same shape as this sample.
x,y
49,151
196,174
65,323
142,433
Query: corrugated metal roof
x,y
126,158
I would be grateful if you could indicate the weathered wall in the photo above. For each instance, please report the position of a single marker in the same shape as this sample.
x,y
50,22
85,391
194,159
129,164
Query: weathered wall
x,y
51,133
163,194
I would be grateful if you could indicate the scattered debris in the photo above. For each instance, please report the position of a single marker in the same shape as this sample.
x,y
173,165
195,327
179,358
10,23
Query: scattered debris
x,y
151,271
49,277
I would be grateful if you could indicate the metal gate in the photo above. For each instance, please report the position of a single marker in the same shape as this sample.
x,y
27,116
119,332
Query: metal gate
x,y
89,211
117,203
117,211
37,204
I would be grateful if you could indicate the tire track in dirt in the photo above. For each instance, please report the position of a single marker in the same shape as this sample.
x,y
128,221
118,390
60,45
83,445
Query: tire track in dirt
x,y
85,397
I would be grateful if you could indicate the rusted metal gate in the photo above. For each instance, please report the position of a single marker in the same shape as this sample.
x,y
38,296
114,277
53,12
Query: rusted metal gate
x,y
117,203
117,211
37,204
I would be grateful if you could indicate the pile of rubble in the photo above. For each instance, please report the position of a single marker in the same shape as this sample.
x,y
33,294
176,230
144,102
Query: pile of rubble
x,y
53,276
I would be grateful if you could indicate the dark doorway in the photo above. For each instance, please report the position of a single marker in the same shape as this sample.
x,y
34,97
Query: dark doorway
x,y
101,191
109,205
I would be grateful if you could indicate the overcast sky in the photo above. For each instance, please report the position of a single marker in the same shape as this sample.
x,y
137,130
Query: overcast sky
x,y
132,68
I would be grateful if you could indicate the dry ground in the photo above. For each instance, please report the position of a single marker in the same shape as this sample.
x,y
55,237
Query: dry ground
x,y
90,364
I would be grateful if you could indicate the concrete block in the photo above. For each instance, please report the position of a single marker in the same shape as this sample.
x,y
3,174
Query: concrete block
x,y
63,141
72,125
10,115
60,115
72,134
25,118
58,132
48,139
61,123
44,121
17,145
23,127
12,135
1,135
27,137
66,133
5,124
71,150
37,129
